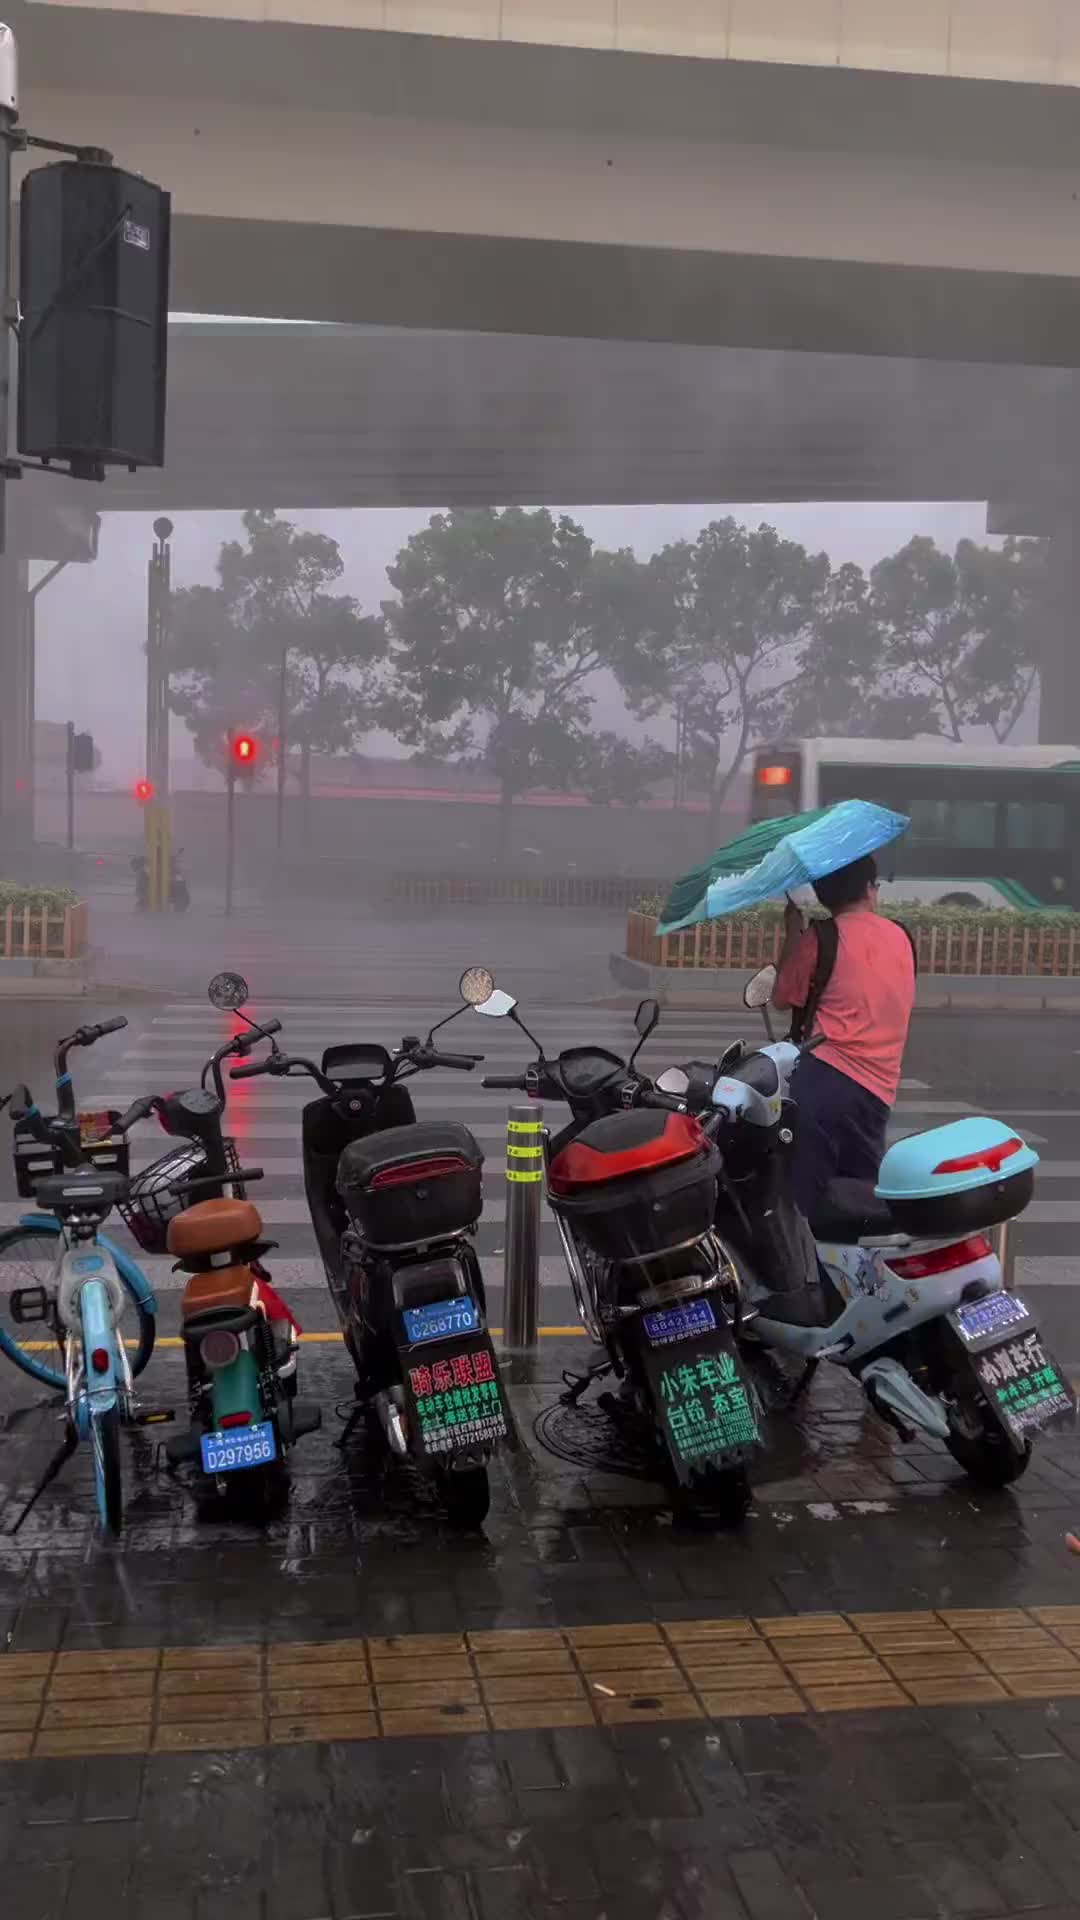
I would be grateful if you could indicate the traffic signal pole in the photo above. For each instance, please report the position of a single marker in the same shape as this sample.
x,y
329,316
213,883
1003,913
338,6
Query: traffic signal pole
x,y
157,817
230,827
71,786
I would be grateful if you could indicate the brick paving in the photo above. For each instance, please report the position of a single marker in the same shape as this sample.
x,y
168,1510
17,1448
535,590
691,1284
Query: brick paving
x,y
826,1808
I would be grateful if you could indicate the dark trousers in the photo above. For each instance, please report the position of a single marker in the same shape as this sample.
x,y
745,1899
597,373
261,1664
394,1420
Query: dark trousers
x,y
839,1131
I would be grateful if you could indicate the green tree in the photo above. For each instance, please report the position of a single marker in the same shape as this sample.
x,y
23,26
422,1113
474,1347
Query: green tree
x,y
962,631
273,650
843,687
502,624
728,619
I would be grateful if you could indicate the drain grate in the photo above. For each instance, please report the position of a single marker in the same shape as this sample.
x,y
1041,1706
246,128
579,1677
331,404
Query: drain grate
x,y
588,1437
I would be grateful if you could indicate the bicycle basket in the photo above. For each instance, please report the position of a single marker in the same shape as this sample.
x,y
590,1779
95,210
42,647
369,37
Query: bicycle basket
x,y
35,1160
150,1205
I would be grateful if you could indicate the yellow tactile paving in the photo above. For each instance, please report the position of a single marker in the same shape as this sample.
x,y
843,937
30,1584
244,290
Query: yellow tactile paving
x,y
190,1699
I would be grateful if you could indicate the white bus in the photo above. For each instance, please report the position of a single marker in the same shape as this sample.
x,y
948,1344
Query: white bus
x,y
990,826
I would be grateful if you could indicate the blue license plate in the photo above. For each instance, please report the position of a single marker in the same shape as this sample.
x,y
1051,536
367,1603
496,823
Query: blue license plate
x,y
242,1447
440,1320
997,1313
678,1323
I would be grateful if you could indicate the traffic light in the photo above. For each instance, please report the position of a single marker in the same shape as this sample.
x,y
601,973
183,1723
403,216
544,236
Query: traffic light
x,y
82,752
144,791
245,752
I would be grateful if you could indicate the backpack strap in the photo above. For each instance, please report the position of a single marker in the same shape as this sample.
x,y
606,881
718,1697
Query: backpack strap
x,y
827,936
828,945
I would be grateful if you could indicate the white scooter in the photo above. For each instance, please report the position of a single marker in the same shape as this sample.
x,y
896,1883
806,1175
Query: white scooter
x,y
905,1291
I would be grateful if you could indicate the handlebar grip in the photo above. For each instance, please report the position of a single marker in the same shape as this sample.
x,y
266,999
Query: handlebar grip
x,y
665,1102
138,1110
505,1082
249,1072
466,1061
111,1026
269,1026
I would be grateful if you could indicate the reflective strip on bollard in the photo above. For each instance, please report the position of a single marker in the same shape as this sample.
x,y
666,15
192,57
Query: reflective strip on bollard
x,y
521,1255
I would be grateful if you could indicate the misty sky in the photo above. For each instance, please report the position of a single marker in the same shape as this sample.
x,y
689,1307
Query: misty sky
x,y
91,621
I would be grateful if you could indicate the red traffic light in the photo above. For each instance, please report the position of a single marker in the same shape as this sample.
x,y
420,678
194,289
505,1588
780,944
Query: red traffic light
x,y
244,750
144,791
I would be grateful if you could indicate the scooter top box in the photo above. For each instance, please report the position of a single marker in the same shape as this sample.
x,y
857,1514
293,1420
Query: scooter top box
x,y
956,1179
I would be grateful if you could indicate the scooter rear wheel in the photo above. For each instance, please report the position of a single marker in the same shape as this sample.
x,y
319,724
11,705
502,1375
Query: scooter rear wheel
x,y
466,1497
715,1499
978,1444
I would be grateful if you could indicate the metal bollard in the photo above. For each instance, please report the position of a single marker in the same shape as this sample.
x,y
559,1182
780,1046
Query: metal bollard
x,y
521,1256
1003,1247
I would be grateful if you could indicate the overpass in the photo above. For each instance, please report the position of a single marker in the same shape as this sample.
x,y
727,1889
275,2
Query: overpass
x,y
599,250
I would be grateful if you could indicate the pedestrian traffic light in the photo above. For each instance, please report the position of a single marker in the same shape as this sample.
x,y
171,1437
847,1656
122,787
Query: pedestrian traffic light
x,y
245,752
144,791
82,753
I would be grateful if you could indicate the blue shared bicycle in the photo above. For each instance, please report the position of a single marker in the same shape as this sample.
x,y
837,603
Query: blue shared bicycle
x,y
59,1272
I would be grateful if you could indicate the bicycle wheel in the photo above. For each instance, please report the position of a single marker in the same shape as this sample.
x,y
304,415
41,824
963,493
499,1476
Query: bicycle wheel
x,y
28,1258
108,1486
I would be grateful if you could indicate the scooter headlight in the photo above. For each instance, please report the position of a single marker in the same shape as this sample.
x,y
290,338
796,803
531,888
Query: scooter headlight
x,y
218,1348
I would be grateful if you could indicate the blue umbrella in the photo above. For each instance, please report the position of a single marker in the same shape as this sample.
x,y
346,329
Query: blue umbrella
x,y
844,833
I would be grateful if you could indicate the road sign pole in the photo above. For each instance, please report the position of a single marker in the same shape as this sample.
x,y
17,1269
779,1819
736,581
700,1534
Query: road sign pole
x,y
521,1257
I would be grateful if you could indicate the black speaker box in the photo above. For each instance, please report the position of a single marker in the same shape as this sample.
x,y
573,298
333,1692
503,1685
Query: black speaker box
x,y
94,294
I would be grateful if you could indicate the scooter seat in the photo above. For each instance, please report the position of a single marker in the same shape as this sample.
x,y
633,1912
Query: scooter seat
x,y
849,1211
216,1288
213,1226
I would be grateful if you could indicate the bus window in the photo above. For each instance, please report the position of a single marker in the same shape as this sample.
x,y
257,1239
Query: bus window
x,y
1038,825
952,823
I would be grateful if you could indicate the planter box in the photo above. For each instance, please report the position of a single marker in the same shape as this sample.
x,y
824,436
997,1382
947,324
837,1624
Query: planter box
x,y
41,933
948,947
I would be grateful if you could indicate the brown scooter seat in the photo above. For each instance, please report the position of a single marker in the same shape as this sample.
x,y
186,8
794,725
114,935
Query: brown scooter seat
x,y
215,1290
213,1226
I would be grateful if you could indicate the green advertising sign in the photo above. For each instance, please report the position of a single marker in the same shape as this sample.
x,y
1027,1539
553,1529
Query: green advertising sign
x,y
1023,1384
707,1407
456,1397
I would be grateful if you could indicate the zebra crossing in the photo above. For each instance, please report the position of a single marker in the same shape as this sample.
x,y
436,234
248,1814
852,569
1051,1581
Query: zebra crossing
x,y
168,1050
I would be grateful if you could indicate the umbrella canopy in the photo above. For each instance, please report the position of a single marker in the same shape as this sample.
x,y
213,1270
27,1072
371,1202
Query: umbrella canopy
x,y
810,846
688,893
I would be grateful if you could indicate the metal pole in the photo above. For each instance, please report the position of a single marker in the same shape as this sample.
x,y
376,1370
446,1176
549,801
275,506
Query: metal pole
x,y
9,315
71,785
281,763
230,828
521,1257
158,593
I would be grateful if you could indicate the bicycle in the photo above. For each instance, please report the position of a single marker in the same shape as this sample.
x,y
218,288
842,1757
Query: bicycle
x,y
78,1173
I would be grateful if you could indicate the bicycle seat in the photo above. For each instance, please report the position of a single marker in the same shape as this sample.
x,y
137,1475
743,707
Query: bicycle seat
x,y
217,1290
848,1211
81,1190
213,1226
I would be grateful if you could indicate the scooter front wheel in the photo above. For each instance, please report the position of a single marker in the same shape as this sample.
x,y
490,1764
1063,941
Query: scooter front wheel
x,y
978,1444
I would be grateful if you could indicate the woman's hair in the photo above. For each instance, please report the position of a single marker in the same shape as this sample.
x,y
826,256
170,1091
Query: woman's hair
x,y
847,885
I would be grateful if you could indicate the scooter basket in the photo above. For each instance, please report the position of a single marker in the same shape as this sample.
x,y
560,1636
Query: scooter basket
x,y
150,1204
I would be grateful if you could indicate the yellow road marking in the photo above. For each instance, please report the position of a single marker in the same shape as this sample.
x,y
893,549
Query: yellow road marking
x,y
306,1339
193,1698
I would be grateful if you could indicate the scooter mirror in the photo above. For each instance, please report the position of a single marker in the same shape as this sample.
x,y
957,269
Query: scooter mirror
x,y
646,1018
758,990
228,992
497,1005
476,985
674,1080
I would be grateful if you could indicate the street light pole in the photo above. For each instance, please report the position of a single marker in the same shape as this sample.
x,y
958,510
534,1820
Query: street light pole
x,y
157,819
282,765
230,818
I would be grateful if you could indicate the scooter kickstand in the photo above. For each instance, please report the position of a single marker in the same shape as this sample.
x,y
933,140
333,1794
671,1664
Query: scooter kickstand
x,y
63,1452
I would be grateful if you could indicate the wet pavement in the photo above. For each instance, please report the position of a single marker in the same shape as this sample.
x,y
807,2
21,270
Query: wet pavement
x,y
684,1738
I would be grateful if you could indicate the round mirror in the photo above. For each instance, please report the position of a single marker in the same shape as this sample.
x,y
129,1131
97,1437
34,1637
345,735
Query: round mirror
x,y
476,985
758,990
227,992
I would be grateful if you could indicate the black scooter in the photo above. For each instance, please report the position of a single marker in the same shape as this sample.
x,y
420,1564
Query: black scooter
x,y
394,1203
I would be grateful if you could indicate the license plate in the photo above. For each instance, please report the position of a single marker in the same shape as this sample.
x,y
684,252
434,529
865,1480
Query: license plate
x,y
678,1323
440,1320
988,1319
243,1447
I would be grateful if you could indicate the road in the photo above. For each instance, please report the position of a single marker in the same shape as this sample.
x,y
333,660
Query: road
x,y
1023,1069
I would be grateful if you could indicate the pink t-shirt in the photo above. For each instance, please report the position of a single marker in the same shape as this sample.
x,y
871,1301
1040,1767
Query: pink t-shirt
x,y
865,1010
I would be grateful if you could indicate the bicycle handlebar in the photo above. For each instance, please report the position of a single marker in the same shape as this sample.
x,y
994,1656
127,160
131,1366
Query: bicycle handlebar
x,y
82,1037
